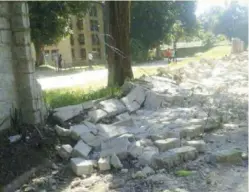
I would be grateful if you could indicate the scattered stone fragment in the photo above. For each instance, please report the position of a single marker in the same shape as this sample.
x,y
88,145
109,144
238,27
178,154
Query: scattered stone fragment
x,y
244,156
104,163
192,131
112,107
200,145
81,166
14,138
148,170
124,170
170,143
123,116
227,156
134,99
118,145
92,140
154,100
129,136
135,149
81,129
115,162
139,175
68,112
62,131
65,151
81,149
174,157
116,183
97,115
88,105
146,157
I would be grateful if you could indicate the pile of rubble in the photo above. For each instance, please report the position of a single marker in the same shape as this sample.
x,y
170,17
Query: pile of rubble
x,y
161,121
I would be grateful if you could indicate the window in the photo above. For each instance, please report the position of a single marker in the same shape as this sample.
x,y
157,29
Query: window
x,y
73,54
95,39
81,39
83,53
71,40
93,12
94,24
96,53
79,24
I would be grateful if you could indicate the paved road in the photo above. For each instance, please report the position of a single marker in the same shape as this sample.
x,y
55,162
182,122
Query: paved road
x,y
52,80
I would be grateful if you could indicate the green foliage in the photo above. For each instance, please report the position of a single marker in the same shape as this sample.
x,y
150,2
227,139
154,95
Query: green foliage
x,y
49,20
63,97
234,22
183,173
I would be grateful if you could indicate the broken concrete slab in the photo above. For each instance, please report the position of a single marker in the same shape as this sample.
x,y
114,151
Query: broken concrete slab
x,y
134,99
65,151
148,171
123,116
174,157
146,157
166,144
92,140
68,112
118,146
112,107
192,131
232,156
97,115
80,129
81,149
81,166
62,131
135,150
88,105
154,100
104,164
115,162
200,145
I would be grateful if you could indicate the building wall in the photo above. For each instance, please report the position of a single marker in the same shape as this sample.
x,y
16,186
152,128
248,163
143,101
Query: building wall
x,y
18,86
67,48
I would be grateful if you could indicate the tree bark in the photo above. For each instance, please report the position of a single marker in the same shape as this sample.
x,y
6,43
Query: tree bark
x,y
119,59
38,51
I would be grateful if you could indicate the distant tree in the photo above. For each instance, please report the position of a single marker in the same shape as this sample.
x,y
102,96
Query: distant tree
x,y
49,21
234,22
119,60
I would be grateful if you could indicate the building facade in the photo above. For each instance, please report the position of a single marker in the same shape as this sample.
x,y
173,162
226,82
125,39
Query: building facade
x,y
87,37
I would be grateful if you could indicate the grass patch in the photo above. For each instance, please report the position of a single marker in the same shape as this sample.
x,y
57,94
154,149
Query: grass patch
x,y
183,173
63,97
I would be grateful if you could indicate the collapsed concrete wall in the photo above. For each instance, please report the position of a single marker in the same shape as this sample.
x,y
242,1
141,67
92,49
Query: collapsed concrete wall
x,y
18,85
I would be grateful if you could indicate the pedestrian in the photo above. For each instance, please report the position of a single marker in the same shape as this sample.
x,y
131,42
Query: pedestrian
x,y
60,62
173,54
169,55
90,60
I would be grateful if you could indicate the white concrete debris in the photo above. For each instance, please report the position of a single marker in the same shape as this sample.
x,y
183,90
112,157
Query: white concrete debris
x,y
112,107
81,129
14,138
91,139
148,171
154,100
68,112
166,144
200,145
123,116
134,99
147,155
192,131
62,131
115,162
81,149
81,166
97,115
104,163
65,151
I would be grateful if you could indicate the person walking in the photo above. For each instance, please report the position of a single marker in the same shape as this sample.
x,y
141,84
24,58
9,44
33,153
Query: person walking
x,y
60,62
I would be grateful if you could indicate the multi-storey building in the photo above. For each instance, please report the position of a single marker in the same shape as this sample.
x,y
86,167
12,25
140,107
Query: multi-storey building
x,y
87,37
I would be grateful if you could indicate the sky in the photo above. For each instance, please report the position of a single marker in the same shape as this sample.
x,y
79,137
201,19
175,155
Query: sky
x,y
204,5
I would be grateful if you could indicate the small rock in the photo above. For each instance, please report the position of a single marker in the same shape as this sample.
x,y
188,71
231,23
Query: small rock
x,y
14,138
104,164
170,143
65,151
62,131
244,156
139,175
124,170
54,166
123,116
115,162
81,166
148,171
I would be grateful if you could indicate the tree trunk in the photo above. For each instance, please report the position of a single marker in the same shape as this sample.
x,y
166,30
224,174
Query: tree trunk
x,y
158,55
39,53
119,59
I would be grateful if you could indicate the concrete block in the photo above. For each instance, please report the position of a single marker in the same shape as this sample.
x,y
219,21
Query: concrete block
x,y
112,107
230,156
200,145
123,116
81,166
68,112
146,157
192,131
97,115
104,163
81,129
166,144
65,151
81,149
62,131
115,162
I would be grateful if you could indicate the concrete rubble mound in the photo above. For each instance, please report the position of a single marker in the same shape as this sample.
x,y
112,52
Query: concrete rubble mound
x,y
162,122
